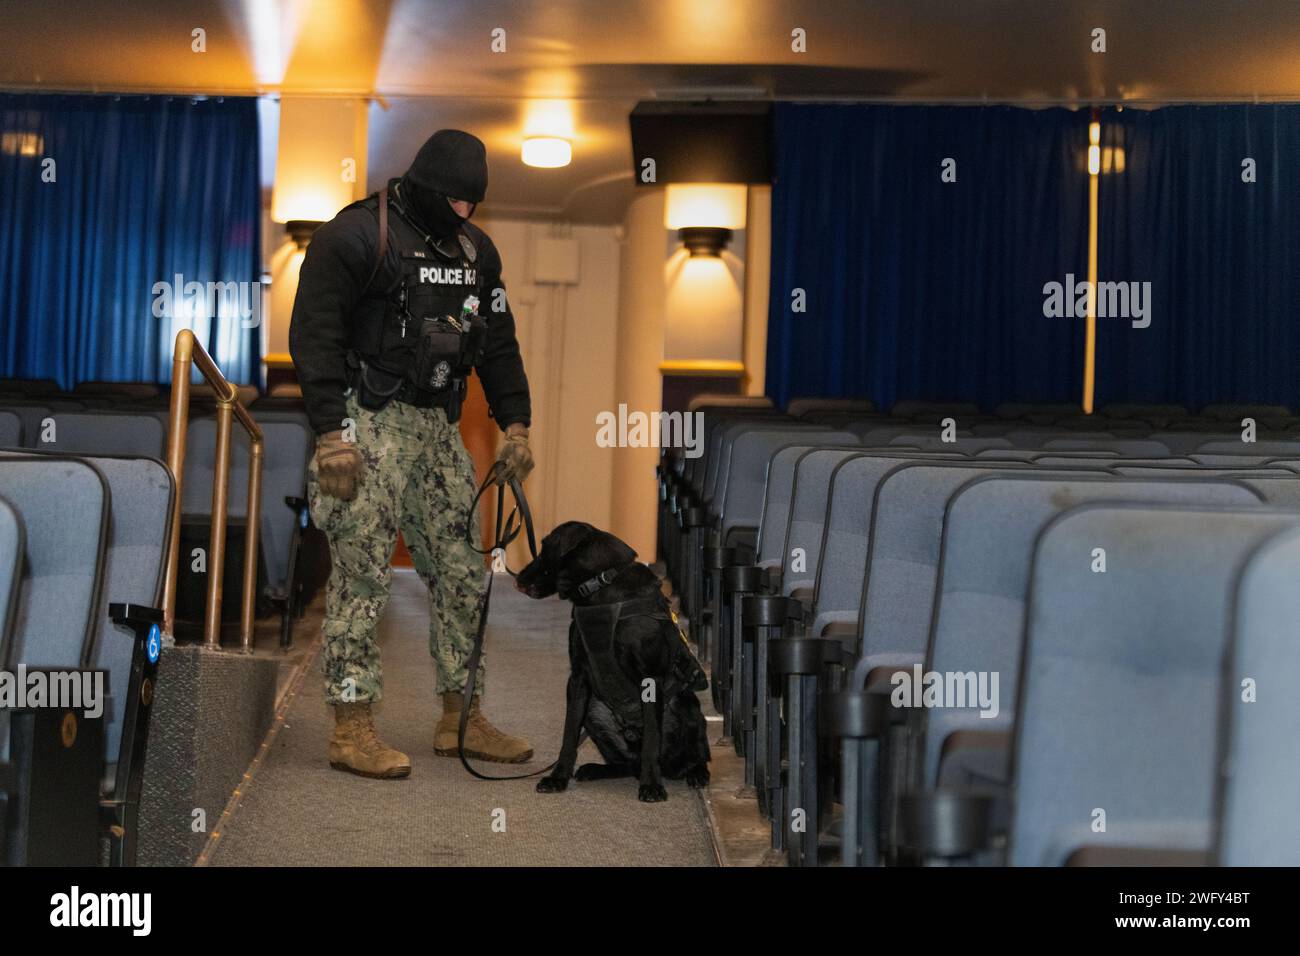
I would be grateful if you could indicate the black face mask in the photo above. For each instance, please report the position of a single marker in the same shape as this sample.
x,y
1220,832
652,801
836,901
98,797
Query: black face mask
x,y
432,210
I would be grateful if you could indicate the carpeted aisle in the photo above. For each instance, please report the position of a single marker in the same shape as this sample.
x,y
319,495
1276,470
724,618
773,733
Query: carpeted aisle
x,y
297,811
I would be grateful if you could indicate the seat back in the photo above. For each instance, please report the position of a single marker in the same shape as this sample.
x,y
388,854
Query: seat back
x,y
777,496
903,559
11,430
987,548
812,486
738,498
31,416
107,433
1121,675
64,504
13,545
1126,447
846,542
1268,448
1259,777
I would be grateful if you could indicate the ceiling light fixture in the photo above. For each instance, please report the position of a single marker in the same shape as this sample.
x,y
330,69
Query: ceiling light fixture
x,y
547,152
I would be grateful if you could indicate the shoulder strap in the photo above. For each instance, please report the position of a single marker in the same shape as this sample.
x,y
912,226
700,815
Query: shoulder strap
x,y
383,235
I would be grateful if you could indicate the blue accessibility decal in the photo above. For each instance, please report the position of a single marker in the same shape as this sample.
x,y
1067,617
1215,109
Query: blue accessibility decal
x,y
153,646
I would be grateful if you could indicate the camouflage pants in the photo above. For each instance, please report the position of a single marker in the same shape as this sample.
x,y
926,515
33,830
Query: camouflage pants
x,y
418,479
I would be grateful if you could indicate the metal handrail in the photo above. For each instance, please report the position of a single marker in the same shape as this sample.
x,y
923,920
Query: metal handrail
x,y
190,353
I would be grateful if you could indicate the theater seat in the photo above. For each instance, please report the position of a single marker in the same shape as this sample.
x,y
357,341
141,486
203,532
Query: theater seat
x,y
1259,775
106,433
1122,679
11,430
52,793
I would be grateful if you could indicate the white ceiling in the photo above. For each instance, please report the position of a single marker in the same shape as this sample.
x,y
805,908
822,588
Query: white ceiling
x,y
429,64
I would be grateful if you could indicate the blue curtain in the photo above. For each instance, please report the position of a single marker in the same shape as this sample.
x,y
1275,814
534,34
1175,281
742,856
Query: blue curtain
x,y
1222,255
143,194
916,287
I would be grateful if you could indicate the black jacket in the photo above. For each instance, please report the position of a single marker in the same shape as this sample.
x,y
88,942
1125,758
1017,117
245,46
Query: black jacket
x,y
333,278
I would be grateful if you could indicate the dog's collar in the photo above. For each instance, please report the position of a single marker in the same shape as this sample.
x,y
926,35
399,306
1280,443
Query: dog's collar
x,y
590,586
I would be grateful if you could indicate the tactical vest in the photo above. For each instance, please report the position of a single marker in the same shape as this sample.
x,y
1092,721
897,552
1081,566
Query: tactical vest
x,y
597,625
417,340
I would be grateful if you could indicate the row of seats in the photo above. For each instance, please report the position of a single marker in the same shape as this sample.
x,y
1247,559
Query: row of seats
x,y
82,553
1033,637
131,418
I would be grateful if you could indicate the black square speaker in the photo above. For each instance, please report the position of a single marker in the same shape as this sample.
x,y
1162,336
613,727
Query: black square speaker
x,y
702,142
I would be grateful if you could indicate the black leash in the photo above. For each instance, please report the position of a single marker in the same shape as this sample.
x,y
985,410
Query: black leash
x,y
520,519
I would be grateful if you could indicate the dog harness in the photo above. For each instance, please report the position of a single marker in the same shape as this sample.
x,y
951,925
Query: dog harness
x,y
597,626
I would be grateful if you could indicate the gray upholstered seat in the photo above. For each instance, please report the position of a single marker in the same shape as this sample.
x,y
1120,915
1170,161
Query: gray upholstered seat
x,y
1267,448
1122,677
738,495
777,496
1126,447
812,488
12,547
11,430
906,532
988,542
105,433
64,504
846,542
1259,774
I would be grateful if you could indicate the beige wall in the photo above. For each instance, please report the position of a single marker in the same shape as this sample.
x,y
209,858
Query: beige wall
x,y
568,335
642,310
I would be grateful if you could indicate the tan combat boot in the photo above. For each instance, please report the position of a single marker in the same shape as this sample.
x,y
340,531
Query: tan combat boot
x,y
482,740
357,749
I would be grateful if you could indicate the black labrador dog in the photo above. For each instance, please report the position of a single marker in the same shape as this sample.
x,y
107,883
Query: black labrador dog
x,y
632,679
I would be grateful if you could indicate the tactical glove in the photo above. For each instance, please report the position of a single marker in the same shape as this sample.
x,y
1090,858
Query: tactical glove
x,y
515,460
338,466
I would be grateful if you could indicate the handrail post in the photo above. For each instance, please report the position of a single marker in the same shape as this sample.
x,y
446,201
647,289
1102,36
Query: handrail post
x,y
217,532
251,538
189,353
177,424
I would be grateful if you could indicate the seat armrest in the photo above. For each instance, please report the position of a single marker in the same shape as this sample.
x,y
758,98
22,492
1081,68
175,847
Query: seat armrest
x,y
844,633
854,714
744,578
138,617
880,681
947,823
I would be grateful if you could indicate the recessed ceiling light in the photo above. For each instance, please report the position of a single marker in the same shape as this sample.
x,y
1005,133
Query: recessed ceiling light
x,y
547,152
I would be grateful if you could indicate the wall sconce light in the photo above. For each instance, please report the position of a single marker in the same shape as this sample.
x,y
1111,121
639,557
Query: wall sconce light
x,y
320,139
705,215
547,152
301,230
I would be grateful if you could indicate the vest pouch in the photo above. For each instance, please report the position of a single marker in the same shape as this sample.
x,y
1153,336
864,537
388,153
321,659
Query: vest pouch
x,y
455,399
375,387
437,355
473,342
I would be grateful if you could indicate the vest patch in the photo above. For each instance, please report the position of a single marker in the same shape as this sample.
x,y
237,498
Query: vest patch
x,y
446,275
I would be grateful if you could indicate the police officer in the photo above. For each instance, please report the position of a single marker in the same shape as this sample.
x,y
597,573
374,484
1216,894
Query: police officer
x,y
399,298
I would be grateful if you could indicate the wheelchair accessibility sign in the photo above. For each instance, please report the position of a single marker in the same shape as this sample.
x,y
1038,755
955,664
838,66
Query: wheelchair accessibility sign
x,y
153,646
